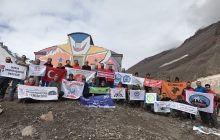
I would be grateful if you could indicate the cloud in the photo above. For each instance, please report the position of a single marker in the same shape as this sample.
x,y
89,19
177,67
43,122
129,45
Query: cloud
x,y
137,29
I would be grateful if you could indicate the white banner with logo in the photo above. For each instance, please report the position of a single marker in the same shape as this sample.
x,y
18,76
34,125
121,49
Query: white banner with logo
x,y
162,106
72,89
150,98
137,95
89,75
37,70
118,93
37,93
137,81
13,71
125,78
183,107
204,101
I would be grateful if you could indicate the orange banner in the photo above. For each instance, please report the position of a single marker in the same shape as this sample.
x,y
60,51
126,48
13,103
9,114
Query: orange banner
x,y
172,90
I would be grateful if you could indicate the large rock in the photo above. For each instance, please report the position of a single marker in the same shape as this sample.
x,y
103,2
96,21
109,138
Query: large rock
x,y
1,110
28,131
47,117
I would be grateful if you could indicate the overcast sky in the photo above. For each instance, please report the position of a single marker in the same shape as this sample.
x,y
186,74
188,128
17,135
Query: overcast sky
x,y
135,28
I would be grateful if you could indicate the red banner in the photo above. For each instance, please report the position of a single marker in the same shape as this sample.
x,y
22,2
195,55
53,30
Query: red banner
x,y
152,83
108,75
51,72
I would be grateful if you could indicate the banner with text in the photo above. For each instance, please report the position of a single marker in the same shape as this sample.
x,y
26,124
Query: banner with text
x,y
13,71
137,95
150,98
37,93
99,90
101,101
152,83
125,78
79,74
72,89
118,93
162,106
183,107
107,75
172,90
203,101
37,70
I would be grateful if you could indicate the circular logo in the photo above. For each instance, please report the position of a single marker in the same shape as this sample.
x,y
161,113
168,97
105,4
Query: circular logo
x,y
126,79
117,78
199,99
136,93
52,93
150,98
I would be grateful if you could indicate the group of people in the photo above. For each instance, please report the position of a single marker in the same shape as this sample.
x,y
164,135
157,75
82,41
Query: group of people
x,y
207,118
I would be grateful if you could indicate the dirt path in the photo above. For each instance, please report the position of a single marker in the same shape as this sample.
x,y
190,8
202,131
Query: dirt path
x,y
74,121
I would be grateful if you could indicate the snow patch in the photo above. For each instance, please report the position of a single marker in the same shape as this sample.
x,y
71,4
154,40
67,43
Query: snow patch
x,y
173,61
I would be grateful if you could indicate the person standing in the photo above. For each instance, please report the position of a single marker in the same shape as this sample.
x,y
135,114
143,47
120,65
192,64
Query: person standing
x,y
212,117
203,115
68,64
76,64
15,82
60,66
49,62
86,66
4,81
146,88
110,81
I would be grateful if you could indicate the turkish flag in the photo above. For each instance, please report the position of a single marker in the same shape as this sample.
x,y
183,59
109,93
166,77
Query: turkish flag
x,y
51,72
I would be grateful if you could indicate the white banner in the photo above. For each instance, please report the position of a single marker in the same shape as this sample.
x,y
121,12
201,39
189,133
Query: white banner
x,y
118,93
13,71
37,93
125,78
150,98
37,70
72,89
183,107
204,101
138,95
162,106
78,72
137,81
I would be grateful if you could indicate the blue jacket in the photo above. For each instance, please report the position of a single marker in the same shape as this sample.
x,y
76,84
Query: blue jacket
x,y
201,89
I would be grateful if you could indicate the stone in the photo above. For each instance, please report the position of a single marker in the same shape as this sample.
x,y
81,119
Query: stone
x,y
47,117
28,131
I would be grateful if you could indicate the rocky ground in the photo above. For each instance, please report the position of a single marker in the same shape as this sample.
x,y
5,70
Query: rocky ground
x,y
70,120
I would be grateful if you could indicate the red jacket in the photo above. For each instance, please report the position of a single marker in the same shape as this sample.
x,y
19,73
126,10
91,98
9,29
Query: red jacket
x,y
184,92
76,67
215,98
110,71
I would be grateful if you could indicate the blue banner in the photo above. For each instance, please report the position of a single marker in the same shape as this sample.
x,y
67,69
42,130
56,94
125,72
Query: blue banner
x,y
101,101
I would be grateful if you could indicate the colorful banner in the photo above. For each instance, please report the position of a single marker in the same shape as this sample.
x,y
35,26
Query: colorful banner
x,y
138,95
99,90
72,89
13,71
108,75
118,93
37,93
101,101
37,70
79,74
172,90
150,98
137,81
162,106
152,83
204,101
51,72
183,107
125,78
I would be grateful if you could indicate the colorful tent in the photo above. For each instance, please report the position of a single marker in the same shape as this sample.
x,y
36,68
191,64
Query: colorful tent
x,y
80,47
